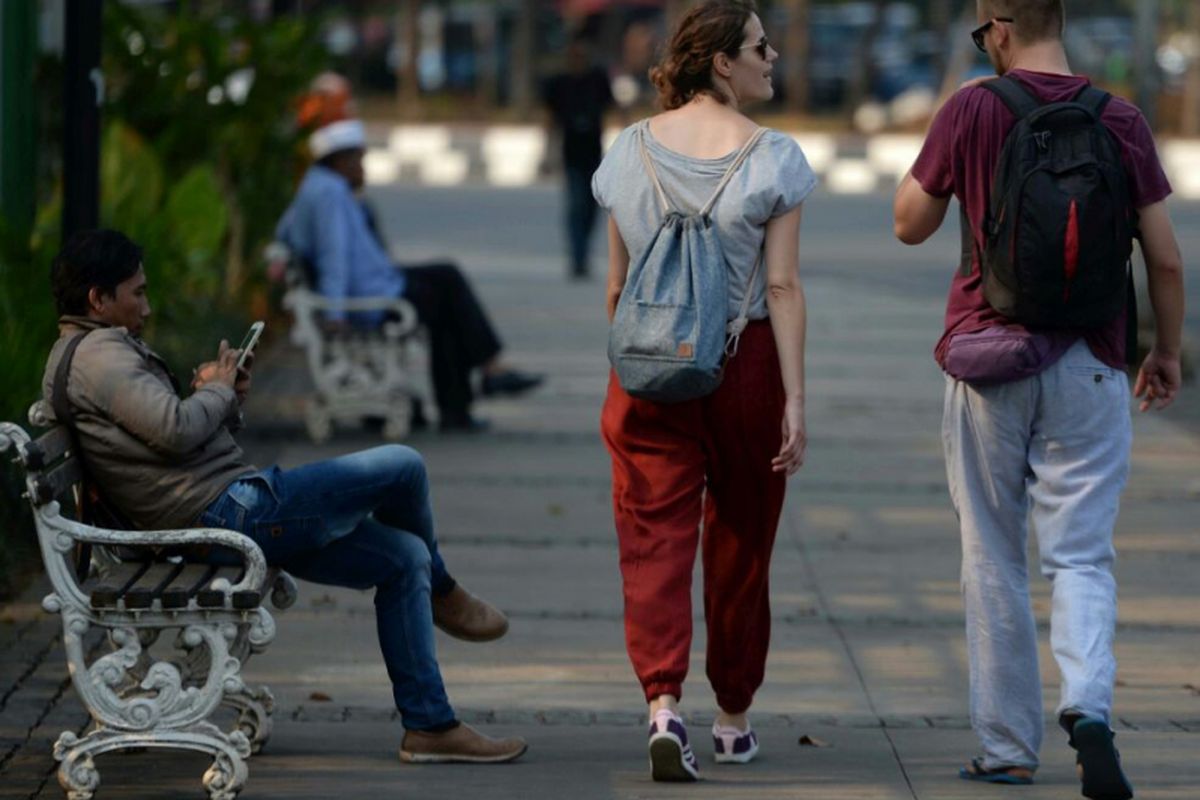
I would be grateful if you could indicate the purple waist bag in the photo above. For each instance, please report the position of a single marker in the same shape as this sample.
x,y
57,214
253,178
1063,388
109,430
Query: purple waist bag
x,y
1000,354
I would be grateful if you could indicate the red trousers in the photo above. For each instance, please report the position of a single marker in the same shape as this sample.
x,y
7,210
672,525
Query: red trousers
x,y
673,464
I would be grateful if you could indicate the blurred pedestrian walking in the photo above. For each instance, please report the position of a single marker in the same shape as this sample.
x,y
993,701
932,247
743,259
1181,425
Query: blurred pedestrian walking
x,y
1054,179
577,100
704,167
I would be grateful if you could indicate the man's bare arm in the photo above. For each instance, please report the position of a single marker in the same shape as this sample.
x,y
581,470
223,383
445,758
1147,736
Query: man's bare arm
x,y
1159,378
918,214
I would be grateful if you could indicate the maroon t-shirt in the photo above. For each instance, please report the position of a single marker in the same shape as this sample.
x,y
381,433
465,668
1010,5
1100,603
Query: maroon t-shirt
x,y
959,157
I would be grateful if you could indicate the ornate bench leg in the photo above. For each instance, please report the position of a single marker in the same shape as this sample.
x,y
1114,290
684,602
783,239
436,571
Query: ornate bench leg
x,y
317,420
254,707
224,779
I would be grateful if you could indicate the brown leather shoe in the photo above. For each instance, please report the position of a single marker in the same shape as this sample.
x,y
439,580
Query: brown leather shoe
x,y
464,616
461,744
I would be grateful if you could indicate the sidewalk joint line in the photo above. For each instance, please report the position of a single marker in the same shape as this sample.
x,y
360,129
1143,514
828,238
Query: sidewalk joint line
x,y
823,603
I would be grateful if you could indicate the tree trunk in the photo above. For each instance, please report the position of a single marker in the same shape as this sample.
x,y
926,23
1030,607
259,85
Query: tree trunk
x,y
675,9
524,41
860,83
1191,91
960,55
940,18
408,89
797,59
487,92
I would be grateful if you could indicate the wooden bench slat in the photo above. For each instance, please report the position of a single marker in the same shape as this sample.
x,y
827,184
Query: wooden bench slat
x,y
46,449
105,591
58,481
138,584
141,594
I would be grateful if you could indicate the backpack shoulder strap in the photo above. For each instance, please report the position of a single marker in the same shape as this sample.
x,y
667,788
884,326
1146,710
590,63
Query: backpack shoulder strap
x,y
1093,99
649,165
58,390
740,159
1015,96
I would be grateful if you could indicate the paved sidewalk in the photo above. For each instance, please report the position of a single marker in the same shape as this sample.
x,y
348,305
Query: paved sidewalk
x,y
867,659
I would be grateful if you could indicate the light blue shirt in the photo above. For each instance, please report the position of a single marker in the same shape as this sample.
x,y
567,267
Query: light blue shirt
x,y
326,225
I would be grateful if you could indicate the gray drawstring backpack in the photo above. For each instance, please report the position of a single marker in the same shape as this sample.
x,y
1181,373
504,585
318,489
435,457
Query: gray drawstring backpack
x,y
669,337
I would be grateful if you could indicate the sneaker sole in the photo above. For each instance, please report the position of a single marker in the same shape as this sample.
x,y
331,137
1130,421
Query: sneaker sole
x,y
666,761
736,758
1102,776
448,758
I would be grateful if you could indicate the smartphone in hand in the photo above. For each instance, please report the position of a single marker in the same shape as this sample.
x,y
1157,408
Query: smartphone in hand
x,y
249,341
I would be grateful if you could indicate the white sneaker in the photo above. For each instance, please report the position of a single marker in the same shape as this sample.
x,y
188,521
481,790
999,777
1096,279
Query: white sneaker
x,y
731,746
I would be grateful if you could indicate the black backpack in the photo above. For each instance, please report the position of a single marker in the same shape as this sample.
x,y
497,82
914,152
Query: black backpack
x,y
1060,223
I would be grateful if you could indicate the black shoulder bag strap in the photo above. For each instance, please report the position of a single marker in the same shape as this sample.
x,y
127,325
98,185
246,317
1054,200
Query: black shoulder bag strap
x,y
58,392
94,508
65,417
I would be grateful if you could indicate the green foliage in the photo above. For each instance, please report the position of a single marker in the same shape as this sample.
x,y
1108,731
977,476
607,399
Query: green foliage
x,y
27,330
199,157
216,90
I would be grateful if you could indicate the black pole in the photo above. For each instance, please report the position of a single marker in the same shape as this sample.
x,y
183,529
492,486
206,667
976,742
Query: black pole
x,y
83,92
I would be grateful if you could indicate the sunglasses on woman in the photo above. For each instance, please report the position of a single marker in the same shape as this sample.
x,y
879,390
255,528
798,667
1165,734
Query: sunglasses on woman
x,y
760,47
978,34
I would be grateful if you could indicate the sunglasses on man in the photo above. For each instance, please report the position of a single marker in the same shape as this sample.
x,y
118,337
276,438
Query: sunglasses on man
x,y
978,34
760,46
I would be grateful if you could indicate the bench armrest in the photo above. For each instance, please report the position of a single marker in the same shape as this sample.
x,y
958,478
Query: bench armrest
x,y
68,532
305,302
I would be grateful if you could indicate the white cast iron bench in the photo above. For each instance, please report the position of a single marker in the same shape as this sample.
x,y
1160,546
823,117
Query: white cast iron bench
x,y
357,373
127,587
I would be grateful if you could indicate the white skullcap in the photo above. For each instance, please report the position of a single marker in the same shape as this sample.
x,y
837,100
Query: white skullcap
x,y
345,134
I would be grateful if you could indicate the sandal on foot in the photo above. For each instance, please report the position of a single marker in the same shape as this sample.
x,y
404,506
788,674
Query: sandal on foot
x,y
1098,761
1009,776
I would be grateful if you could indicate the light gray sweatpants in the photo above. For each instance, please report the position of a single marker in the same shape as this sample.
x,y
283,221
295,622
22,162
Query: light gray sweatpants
x,y
1054,448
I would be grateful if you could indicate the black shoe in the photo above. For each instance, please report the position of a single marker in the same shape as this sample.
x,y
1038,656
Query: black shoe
x,y
510,381
462,422
418,421
1098,762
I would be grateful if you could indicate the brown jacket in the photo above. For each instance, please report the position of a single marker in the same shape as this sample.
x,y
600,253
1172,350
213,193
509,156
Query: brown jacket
x,y
160,459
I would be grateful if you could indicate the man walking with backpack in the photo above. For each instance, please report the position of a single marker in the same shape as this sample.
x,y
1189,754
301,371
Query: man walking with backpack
x,y
1054,179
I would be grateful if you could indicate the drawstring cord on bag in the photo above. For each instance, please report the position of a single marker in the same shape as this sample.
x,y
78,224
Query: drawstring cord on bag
x,y
735,327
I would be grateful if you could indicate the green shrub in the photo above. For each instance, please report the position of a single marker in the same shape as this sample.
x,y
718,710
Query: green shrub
x,y
199,157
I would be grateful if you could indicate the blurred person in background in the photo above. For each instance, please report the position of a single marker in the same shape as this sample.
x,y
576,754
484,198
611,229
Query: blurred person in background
x,y
723,458
1037,419
329,228
577,100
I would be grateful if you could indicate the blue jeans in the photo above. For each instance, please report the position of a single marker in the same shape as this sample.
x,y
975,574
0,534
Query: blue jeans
x,y
581,214
1053,449
358,521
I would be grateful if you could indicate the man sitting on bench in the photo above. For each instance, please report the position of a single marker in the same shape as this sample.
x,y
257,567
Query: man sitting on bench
x,y
164,461
329,228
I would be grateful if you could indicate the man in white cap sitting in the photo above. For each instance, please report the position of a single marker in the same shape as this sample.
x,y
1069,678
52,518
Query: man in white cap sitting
x,y
328,226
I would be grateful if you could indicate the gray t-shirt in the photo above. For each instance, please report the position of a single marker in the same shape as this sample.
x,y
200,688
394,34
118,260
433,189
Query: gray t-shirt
x,y
774,179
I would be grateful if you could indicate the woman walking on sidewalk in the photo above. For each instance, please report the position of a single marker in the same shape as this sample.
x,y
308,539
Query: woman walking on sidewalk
x,y
723,457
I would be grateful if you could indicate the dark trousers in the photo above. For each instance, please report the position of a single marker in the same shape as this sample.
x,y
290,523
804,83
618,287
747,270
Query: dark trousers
x,y
676,466
461,337
581,213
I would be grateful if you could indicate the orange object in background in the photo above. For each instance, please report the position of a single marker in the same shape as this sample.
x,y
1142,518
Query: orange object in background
x,y
328,100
